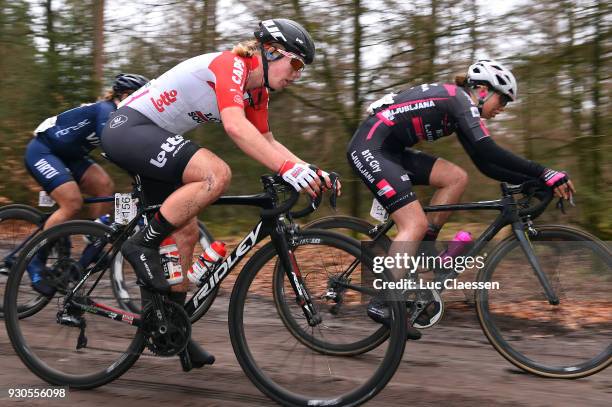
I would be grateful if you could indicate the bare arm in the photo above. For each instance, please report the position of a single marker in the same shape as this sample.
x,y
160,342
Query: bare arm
x,y
250,140
281,149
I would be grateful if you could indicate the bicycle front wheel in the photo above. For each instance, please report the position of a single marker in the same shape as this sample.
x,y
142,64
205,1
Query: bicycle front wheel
x,y
569,340
338,306
67,346
278,362
349,225
18,225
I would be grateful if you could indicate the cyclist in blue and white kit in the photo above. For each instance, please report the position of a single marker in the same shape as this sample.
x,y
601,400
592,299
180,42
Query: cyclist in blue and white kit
x,y
58,158
381,152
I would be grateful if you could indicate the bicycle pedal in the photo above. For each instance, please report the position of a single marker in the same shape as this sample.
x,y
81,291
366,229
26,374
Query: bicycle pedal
x,y
185,359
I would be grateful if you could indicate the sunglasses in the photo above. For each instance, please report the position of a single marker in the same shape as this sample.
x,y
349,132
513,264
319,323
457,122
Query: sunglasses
x,y
296,62
504,99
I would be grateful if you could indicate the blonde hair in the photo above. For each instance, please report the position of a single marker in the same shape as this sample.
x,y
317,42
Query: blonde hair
x,y
108,95
246,48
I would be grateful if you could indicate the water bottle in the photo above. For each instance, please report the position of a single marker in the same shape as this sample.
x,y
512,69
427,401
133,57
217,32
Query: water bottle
x,y
205,263
458,245
171,261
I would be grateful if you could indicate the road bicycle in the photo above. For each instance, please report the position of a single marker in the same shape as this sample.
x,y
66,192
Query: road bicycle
x,y
550,315
81,341
20,223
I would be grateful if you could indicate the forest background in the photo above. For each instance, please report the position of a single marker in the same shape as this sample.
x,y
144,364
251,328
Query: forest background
x,y
57,54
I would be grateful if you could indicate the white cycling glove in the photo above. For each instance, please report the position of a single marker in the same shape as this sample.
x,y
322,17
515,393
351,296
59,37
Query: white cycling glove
x,y
298,175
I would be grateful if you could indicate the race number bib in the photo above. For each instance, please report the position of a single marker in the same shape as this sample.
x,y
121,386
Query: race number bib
x,y
125,208
378,212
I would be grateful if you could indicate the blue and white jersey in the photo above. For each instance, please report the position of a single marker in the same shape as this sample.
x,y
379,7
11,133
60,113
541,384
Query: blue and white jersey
x,y
75,132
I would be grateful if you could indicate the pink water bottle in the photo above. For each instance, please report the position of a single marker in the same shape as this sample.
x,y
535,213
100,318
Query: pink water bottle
x,y
205,262
458,245
171,261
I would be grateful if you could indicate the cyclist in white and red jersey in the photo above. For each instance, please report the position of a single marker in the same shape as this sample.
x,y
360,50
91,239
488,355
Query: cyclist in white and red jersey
x,y
381,151
145,137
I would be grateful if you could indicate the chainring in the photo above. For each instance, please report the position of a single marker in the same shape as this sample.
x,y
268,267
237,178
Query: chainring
x,y
166,331
432,309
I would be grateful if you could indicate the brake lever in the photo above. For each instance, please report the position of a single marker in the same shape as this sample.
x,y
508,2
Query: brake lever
x,y
560,205
334,177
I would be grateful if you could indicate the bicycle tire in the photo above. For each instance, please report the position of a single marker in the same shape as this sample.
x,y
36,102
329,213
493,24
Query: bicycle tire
x,y
358,226
375,383
357,347
507,345
26,214
28,353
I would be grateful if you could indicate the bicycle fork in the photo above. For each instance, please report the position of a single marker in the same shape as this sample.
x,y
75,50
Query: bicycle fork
x,y
521,234
292,270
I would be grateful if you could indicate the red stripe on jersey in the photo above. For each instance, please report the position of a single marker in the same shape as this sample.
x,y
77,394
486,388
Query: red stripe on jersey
x,y
133,98
373,129
413,102
385,120
418,127
451,89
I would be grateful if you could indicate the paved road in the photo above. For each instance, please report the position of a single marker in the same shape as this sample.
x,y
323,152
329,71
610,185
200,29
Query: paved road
x,y
453,365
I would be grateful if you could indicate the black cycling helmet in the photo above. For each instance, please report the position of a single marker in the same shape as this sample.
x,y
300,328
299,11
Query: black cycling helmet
x,y
128,81
290,34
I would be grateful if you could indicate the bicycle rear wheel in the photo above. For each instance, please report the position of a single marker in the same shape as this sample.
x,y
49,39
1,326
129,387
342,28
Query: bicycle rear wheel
x,y
18,224
350,226
58,352
569,340
278,362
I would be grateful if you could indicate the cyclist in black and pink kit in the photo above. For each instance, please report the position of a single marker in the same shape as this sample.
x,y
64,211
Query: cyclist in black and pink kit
x,y
381,150
145,136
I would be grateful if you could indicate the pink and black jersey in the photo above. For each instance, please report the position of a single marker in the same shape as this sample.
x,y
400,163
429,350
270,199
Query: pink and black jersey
x,y
380,152
429,112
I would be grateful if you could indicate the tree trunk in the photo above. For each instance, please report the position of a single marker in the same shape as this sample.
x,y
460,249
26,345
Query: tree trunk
x,y
432,50
356,111
209,26
473,31
98,47
596,137
51,57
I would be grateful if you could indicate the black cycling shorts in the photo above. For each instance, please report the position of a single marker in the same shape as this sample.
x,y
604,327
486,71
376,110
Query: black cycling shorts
x,y
386,166
139,146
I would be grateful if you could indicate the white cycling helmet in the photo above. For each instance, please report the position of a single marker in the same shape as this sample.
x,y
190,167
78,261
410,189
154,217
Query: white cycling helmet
x,y
495,75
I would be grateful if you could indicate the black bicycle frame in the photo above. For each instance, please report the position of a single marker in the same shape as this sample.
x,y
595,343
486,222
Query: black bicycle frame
x,y
509,215
272,225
